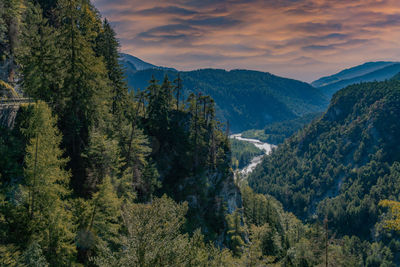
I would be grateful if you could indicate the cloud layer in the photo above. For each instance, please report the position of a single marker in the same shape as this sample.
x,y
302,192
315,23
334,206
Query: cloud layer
x,y
302,39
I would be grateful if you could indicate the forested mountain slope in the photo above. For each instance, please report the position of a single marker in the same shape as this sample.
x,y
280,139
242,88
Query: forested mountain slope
x,y
343,164
247,99
367,72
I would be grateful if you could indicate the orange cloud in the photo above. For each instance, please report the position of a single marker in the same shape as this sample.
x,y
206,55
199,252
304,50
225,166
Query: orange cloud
x,y
302,39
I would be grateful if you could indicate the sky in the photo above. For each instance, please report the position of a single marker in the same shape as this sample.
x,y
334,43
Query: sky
x,y
300,39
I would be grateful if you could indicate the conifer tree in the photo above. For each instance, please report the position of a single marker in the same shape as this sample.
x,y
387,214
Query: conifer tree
x,y
3,33
40,59
159,100
152,236
178,88
235,232
46,187
33,256
12,17
87,87
107,47
100,221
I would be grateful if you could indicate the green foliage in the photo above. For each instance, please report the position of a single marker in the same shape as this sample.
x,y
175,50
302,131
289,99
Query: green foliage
x,y
235,232
145,242
107,47
40,58
46,186
33,256
339,165
243,152
247,99
277,132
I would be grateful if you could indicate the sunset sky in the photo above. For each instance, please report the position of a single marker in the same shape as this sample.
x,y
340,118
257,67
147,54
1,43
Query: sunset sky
x,y
301,39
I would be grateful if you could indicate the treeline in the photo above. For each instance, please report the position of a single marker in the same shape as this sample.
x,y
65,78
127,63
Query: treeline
x,y
277,132
93,175
247,99
343,164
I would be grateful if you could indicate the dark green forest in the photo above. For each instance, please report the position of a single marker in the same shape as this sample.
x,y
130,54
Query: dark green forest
x,y
246,99
276,133
93,174
343,164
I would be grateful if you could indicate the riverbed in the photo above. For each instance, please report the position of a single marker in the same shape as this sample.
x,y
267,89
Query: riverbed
x,y
267,148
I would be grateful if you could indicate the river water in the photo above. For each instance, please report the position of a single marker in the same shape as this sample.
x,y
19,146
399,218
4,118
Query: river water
x,y
267,148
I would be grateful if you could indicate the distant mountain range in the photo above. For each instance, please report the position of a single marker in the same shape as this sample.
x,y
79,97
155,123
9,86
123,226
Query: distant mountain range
x,y
247,99
367,72
252,99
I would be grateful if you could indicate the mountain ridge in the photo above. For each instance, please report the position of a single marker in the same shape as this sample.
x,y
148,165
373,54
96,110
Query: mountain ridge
x,y
246,99
366,72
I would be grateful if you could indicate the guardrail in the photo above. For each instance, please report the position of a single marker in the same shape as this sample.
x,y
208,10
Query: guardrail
x,y
15,101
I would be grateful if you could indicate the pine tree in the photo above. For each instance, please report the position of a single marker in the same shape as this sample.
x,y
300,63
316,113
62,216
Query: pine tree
x,y
33,256
178,88
107,47
99,221
46,187
3,33
12,17
152,236
159,100
103,159
40,59
87,87
235,232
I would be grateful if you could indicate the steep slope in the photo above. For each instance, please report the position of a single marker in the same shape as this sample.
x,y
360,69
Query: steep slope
x,y
368,72
342,164
247,99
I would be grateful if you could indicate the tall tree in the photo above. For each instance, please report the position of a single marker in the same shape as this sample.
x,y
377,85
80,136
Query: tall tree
x,y
40,59
87,87
46,187
107,47
178,88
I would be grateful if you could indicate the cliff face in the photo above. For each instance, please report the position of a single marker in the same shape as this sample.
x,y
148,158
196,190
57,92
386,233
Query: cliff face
x,y
8,113
187,173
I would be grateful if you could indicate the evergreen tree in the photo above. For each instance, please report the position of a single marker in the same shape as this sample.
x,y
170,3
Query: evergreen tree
x,y
159,101
107,47
100,221
178,88
33,256
103,159
12,17
3,32
235,232
40,59
152,236
87,87
46,187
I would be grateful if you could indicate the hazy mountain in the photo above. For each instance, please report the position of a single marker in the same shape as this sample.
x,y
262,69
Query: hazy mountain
x,y
247,99
133,64
342,164
371,71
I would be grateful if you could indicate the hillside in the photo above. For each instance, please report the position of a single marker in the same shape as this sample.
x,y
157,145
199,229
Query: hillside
x,y
247,99
277,132
367,72
342,164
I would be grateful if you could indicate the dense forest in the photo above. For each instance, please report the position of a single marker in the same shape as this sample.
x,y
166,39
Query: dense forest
x,y
243,152
276,133
343,164
246,99
94,175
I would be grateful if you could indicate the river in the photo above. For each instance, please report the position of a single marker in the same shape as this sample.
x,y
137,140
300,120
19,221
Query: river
x,y
267,148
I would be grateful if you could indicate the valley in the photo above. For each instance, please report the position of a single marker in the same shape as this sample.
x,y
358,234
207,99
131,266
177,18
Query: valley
x,y
108,160
267,148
